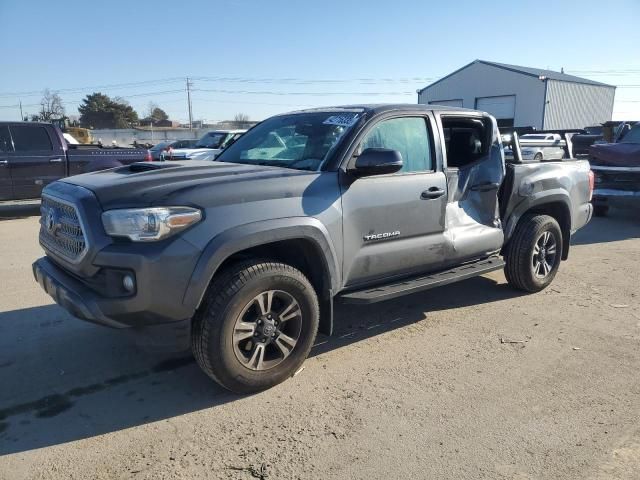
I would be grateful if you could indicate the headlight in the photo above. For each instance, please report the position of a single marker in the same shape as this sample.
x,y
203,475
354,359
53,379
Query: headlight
x,y
149,224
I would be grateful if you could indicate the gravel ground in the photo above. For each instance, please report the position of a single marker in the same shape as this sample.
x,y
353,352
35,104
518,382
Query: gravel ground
x,y
472,380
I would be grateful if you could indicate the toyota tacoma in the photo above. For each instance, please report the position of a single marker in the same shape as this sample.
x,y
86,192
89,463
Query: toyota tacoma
x,y
244,257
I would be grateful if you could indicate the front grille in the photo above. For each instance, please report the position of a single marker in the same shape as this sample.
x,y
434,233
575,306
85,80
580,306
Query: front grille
x,y
60,229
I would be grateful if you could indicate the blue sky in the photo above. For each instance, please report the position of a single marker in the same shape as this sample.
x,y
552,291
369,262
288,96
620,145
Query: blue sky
x,y
264,57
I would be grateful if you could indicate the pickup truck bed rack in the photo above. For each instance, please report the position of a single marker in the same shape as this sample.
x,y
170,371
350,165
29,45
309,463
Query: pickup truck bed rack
x,y
425,282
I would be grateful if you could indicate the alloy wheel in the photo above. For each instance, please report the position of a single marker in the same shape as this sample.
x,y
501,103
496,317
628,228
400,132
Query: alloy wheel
x,y
544,254
267,330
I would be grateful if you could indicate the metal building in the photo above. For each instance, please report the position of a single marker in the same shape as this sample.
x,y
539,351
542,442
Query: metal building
x,y
523,96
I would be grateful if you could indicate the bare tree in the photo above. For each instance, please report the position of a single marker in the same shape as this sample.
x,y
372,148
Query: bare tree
x,y
241,118
50,106
150,108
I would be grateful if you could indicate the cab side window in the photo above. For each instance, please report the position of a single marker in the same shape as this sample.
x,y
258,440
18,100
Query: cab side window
x,y
28,138
409,136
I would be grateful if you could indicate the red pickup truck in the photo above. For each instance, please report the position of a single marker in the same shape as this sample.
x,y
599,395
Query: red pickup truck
x,y
33,154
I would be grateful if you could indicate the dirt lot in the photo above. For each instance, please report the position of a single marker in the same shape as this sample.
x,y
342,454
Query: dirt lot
x,y
472,380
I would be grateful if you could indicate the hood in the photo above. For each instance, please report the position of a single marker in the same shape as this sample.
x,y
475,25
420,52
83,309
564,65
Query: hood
x,y
196,183
615,154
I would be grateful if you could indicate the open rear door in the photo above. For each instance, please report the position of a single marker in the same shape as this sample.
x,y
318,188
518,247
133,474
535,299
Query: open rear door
x,y
475,171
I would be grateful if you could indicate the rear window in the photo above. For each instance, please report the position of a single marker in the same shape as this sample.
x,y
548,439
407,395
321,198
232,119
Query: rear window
x,y
27,138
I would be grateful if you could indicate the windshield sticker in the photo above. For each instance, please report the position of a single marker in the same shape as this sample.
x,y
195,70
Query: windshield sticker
x,y
342,120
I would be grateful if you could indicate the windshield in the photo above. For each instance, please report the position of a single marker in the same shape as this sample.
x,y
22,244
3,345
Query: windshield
x,y
633,136
301,141
211,140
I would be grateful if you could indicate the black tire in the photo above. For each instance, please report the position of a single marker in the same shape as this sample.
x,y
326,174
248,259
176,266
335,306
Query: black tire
x,y
228,297
600,210
538,157
521,258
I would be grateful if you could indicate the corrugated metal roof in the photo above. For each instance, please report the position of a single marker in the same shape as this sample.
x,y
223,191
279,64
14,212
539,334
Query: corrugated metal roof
x,y
539,72
529,71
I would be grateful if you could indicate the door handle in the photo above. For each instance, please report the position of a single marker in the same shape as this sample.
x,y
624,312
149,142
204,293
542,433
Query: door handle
x,y
55,160
433,192
4,162
485,187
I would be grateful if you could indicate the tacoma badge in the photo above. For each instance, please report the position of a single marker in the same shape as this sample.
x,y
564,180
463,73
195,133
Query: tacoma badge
x,y
381,236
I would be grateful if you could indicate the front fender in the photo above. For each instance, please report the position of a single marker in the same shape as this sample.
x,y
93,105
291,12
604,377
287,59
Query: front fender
x,y
255,234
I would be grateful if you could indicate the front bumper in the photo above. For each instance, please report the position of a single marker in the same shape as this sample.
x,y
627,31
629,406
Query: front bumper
x,y
612,192
607,196
71,294
161,281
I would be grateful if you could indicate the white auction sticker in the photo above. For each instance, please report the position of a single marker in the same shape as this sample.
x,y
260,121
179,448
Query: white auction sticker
x,y
342,120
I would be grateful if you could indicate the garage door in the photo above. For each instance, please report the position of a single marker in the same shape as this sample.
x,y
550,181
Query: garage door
x,y
447,103
503,107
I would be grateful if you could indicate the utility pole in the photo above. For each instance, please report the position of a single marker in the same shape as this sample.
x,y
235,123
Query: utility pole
x,y
189,85
21,115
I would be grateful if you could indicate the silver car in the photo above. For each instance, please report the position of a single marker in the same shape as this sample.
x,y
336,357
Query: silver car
x,y
539,147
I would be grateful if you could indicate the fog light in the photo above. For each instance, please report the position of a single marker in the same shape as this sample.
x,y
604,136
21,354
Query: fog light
x,y
128,283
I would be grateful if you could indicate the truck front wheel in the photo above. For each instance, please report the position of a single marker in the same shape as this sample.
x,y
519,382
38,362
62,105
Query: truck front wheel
x,y
256,325
534,252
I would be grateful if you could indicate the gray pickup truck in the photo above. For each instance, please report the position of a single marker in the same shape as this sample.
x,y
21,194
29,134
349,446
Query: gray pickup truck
x,y
355,204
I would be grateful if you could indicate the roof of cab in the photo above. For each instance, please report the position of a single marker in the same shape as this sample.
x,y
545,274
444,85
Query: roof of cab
x,y
376,108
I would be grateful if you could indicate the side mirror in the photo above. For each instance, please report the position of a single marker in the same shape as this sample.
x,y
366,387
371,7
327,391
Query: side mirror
x,y
377,161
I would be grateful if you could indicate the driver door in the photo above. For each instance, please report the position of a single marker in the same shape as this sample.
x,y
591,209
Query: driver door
x,y
393,224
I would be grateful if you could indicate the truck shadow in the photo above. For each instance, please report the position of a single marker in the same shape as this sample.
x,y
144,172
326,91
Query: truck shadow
x,y
64,380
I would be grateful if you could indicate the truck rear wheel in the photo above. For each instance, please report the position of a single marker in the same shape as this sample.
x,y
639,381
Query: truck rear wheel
x,y
256,326
534,252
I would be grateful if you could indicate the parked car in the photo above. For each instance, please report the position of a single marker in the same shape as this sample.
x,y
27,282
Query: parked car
x,y
32,155
539,147
207,148
244,257
164,147
617,171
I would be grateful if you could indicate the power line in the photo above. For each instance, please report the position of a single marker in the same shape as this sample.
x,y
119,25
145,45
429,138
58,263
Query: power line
x,y
164,81
324,94
96,87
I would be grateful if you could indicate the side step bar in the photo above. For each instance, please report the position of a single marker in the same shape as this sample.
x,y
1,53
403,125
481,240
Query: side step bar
x,y
417,284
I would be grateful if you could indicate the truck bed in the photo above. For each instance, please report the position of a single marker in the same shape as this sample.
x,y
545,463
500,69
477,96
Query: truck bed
x,y
563,181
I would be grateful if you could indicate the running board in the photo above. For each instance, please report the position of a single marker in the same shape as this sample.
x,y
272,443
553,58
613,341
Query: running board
x,y
418,284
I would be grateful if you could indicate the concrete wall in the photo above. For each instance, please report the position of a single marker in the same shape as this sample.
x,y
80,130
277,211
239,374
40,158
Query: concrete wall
x,y
481,80
126,136
577,105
